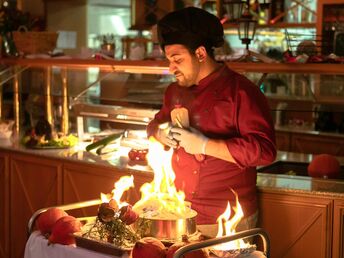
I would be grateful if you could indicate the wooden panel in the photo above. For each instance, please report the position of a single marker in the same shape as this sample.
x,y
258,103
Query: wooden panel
x,y
298,226
34,184
317,144
82,183
4,206
283,141
338,229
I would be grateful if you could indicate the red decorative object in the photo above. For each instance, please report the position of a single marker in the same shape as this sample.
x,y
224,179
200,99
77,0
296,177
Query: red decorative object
x,y
137,155
47,219
62,232
149,247
325,166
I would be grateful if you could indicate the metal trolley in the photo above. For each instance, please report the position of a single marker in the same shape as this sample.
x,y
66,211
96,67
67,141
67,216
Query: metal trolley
x,y
183,250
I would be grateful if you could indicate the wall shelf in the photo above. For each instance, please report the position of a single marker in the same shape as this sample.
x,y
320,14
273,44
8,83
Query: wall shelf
x,y
161,66
277,25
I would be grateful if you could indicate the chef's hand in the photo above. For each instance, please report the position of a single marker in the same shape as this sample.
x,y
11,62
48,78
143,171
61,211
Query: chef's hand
x,y
165,137
193,141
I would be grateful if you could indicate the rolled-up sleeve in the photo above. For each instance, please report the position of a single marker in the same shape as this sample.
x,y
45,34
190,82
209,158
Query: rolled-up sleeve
x,y
256,144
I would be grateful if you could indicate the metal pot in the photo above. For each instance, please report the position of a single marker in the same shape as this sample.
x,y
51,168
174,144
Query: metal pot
x,y
170,230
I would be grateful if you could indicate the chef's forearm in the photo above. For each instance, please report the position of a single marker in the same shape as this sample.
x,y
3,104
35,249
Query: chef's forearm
x,y
218,149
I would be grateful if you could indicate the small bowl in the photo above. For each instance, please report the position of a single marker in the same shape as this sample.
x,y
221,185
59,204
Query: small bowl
x,y
6,129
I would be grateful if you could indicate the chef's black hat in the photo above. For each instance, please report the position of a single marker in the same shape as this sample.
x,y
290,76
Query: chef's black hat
x,y
192,27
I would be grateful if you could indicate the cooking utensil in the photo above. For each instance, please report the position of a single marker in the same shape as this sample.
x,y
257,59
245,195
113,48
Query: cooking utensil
x,y
219,240
169,229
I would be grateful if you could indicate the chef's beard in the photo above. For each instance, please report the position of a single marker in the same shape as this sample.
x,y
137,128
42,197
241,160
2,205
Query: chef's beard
x,y
182,81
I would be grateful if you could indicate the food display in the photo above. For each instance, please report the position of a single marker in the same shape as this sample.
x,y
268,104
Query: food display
x,y
43,137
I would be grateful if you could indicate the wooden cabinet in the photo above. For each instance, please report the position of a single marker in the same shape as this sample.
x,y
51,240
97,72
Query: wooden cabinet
x,y
34,184
338,229
283,141
298,226
310,144
29,182
314,144
4,205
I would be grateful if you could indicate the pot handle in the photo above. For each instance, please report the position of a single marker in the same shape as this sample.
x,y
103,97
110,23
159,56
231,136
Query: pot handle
x,y
219,240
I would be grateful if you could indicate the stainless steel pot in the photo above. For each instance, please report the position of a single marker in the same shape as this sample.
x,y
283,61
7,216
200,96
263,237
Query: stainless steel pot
x,y
170,230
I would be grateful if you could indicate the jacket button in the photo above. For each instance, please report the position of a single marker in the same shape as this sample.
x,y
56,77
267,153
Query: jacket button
x,y
195,172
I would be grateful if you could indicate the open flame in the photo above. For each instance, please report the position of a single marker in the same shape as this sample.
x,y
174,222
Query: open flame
x,y
160,198
226,227
122,185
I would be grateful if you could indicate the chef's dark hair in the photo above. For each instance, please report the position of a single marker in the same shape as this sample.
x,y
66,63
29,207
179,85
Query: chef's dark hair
x,y
191,27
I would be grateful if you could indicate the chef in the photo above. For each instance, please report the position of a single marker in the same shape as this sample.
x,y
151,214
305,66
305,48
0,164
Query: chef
x,y
222,123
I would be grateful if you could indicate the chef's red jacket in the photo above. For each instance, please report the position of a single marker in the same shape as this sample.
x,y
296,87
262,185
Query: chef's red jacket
x,y
224,105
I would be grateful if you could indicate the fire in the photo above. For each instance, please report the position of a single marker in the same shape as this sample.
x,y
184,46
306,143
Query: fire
x,y
160,198
226,227
122,185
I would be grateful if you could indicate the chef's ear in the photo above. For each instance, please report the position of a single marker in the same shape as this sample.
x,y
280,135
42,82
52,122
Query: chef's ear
x,y
201,53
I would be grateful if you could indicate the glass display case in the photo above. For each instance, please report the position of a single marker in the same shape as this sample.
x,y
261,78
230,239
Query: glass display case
x,y
90,96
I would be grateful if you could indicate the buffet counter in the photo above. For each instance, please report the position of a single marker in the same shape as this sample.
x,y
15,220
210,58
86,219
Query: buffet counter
x,y
301,214
119,159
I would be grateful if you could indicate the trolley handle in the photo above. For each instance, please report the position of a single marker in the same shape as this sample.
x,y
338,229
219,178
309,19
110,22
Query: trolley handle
x,y
219,240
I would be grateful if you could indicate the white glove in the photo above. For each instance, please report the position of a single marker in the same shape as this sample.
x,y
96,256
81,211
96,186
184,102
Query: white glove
x,y
165,137
193,141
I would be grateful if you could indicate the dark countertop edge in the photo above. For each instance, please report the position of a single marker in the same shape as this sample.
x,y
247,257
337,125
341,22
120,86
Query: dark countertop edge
x,y
306,130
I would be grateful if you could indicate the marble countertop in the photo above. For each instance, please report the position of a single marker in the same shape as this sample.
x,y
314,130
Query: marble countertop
x,y
265,181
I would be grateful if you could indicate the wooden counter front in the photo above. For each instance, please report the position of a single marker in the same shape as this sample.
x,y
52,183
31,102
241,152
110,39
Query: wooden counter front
x,y
303,216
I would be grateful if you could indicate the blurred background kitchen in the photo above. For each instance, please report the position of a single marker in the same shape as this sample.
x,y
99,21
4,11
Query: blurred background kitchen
x,y
94,68
113,29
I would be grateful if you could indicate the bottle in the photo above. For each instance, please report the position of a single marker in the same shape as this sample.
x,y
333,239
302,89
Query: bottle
x,y
180,116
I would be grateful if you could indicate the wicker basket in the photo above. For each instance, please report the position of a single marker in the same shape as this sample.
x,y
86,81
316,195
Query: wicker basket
x,y
34,42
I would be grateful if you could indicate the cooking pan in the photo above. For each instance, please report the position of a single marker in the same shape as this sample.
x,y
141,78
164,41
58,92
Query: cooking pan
x,y
169,229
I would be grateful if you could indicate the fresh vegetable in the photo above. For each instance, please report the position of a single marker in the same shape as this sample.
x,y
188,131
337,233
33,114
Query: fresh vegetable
x,y
106,212
103,142
149,247
35,141
42,136
43,128
63,229
127,215
47,219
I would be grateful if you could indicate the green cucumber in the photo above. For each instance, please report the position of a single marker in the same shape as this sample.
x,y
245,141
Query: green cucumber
x,y
103,142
